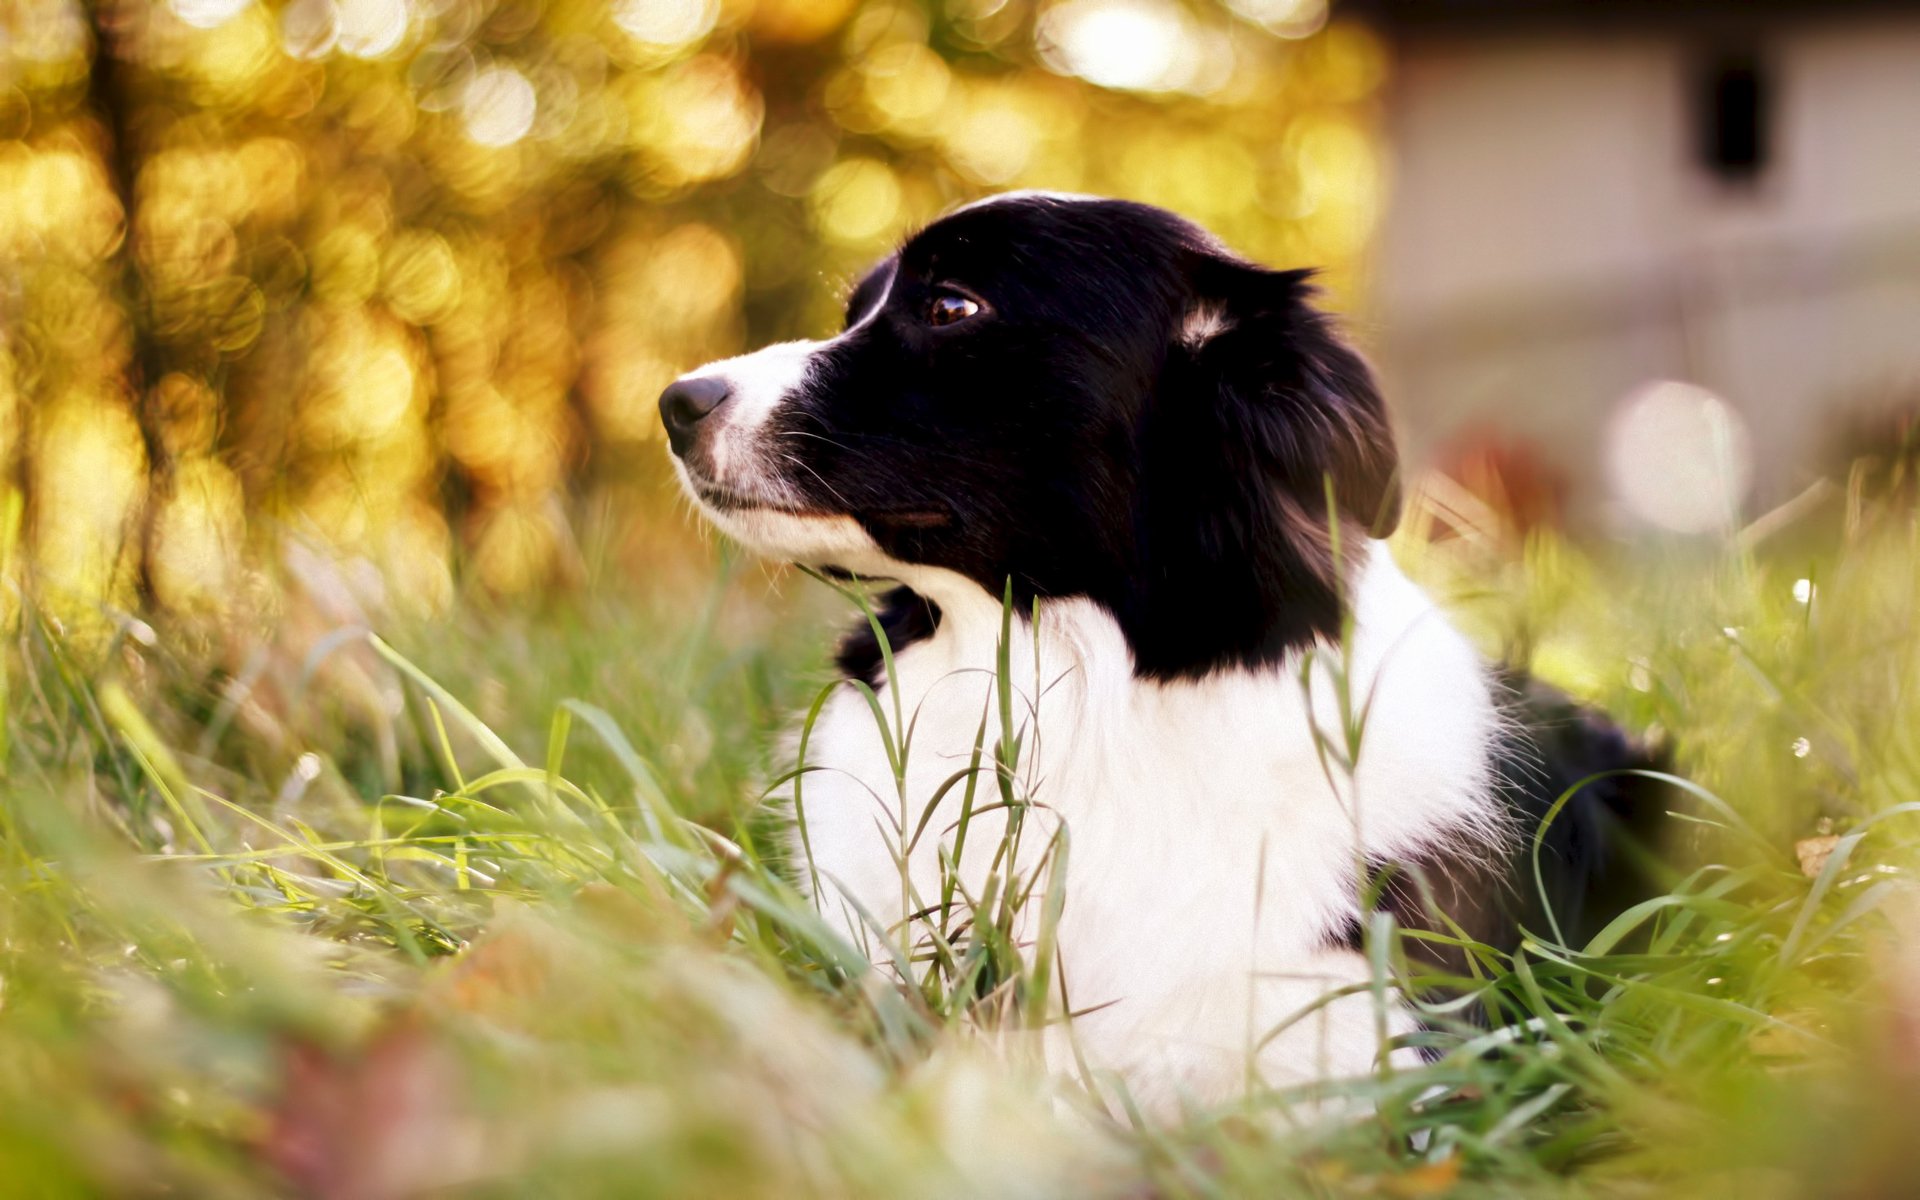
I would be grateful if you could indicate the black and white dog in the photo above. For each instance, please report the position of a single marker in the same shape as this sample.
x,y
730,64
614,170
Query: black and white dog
x,y
1097,401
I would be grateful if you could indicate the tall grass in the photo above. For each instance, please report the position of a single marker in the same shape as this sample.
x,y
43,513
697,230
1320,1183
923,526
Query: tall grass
x,y
491,904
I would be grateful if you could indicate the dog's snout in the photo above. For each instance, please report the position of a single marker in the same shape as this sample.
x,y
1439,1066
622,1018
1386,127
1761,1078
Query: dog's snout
x,y
686,402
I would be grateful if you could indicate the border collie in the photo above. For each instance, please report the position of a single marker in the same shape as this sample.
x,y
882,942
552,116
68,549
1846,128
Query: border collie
x,y
1170,456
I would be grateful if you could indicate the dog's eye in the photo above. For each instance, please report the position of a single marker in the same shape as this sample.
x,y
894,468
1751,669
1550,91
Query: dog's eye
x,y
947,308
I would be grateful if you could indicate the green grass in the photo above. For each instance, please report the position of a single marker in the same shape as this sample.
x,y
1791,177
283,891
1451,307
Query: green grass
x,y
489,906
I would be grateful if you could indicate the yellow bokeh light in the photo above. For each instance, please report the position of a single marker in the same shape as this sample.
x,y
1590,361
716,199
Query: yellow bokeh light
x,y
1354,62
273,178
792,157
420,279
623,383
516,547
179,185
1209,176
382,391
198,530
309,28
370,28
498,106
231,61
336,508
1337,183
698,120
857,201
1141,45
993,142
690,275
43,45
12,418
345,264
799,20
207,14
55,203
89,478
1284,18
77,319
668,302
906,83
666,22
483,431
366,380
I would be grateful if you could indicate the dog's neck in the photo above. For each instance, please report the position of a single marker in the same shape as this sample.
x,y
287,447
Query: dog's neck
x,y
1418,698
1216,829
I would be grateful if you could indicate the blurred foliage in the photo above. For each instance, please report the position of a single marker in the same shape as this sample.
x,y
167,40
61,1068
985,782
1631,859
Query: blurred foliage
x,y
402,278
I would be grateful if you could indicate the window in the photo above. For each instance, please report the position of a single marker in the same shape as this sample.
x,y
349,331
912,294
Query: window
x,y
1733,96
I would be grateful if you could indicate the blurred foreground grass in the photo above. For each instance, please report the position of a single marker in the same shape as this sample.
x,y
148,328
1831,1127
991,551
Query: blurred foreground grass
x,y
291,911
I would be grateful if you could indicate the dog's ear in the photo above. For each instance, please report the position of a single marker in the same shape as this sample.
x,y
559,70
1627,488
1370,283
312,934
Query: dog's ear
x,y
1254,339
1258,405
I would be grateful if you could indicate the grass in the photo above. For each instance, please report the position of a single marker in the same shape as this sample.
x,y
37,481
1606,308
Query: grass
x,y
486,904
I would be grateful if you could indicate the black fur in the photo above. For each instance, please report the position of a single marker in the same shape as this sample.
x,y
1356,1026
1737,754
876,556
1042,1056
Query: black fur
x,y
1594,858
905,617
1067,438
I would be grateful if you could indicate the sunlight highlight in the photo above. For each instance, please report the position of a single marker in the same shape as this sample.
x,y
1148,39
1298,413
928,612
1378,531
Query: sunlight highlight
x,y
1284,18
498,106
1678,457
1135,45
666,22
371,28
857,201
208,14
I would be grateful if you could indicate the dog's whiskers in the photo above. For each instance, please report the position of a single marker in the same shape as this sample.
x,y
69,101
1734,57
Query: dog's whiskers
x,y
797,461
820,436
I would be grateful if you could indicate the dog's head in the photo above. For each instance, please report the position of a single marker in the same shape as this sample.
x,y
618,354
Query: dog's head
x,y
1088,397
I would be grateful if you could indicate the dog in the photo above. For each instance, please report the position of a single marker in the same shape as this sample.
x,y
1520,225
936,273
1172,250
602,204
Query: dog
x,y
1160,466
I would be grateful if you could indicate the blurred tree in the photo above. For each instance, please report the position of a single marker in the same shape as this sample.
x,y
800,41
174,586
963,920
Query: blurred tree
x,y
389,274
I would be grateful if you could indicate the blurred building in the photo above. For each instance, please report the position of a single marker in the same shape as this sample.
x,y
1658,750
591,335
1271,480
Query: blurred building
x,y
1589,196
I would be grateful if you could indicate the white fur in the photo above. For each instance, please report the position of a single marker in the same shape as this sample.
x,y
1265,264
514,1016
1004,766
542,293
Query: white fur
x,y
795,537
1204,323
1212,858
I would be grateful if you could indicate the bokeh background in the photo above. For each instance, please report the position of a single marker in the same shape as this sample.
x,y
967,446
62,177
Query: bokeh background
x,y
400,280
396,282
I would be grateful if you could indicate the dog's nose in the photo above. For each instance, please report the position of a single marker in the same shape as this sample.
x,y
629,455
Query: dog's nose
x,y
685,403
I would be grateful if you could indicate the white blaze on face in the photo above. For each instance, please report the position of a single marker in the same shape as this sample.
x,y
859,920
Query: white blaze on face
x,y
746,458
740,453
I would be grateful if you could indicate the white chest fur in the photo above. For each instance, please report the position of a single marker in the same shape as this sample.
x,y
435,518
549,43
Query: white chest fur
x,y
1214,847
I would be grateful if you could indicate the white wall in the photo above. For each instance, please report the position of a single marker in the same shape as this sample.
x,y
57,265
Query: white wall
x,y
1552,241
